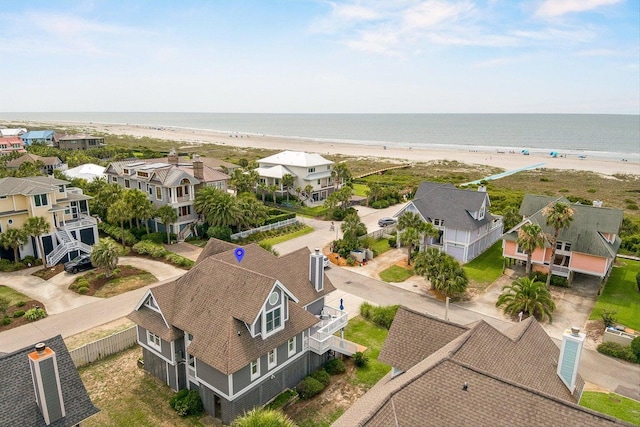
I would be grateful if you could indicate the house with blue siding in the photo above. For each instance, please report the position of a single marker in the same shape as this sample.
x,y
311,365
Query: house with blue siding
x,y
38,136
466,227
240,329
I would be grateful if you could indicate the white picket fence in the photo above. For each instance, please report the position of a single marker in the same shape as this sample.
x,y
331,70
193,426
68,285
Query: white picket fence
x,y
104,347
279,224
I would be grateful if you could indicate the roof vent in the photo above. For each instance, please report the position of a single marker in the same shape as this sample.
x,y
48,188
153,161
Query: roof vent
x,y
598,203
465,386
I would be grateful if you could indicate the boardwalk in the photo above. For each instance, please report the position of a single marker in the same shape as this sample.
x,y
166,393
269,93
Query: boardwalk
x,y
402,166
503,174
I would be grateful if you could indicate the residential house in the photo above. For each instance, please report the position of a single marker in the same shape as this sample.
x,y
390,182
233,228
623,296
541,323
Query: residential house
x,y
173,182
240,329
306,169
444,374
588,246
79,142
47,137
40,386
11,132
49,163
11,144
88,171
71,229
462,216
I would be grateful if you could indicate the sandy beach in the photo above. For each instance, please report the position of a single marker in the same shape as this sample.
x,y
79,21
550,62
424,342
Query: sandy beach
x,y
505,160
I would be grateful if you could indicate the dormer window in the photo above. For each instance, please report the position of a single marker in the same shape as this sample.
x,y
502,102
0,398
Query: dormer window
x,y
274,319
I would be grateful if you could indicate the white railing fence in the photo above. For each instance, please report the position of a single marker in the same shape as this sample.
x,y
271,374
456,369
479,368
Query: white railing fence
x,y
275,225
104,347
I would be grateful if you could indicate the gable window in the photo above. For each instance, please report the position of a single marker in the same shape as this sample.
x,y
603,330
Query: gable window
x,y
310,170
159,193
154,341
272,358
143,174
114,179
61,188
438,222
126,171
151,303
481,214
255,369
40,200
274,319
291,347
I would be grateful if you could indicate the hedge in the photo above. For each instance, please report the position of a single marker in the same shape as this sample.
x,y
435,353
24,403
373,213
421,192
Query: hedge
x,y
146,247
619,351
309,387
116,233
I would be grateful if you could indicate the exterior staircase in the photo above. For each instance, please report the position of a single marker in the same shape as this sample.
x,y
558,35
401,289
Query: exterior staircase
x,y
322,338
66,243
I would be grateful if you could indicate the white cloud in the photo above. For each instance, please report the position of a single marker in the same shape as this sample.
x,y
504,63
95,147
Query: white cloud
x,y
553,8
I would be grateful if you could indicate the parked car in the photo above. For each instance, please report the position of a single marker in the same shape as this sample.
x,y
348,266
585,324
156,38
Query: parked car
x,y
79,263
383,222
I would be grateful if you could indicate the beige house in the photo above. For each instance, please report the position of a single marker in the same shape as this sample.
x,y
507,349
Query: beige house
x,y
71,229
306,168
49,163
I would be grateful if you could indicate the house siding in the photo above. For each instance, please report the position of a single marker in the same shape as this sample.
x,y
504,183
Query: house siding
x,y
588,264
155,365
316,306
165,346
212,376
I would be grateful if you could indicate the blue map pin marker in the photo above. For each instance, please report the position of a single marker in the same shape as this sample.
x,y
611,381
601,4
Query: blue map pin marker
x,y
239,253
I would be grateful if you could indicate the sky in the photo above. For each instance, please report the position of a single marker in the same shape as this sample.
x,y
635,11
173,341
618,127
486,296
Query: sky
x,y
317,56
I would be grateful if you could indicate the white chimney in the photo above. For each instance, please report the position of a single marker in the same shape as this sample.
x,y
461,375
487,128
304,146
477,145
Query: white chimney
x,y
316,270
570,352
482,188
598,203
46,383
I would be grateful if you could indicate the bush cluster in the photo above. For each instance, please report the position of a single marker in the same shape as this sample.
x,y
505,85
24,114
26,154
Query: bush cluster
x,y
619,351
381,316
157,238
7,266
558,281
179,260
360,359
18,313
278,218
335,367
35,314
150,248
187,402
115,232
309,387
322,376
5,321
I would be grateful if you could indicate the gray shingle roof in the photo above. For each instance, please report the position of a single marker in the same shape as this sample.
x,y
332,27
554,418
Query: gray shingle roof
x,y
18,405
445,202
511,379
29,186
585,230
220,291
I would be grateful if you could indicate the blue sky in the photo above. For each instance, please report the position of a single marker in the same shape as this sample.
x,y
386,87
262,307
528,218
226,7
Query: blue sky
x,y
314,56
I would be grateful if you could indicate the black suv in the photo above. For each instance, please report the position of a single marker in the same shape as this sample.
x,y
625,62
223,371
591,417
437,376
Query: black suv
x,y
79,263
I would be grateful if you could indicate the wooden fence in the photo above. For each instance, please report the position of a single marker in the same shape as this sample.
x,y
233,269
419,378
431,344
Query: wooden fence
x,y
104,347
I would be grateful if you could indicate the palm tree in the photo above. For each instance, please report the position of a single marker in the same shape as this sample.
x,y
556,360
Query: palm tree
x,y
262,188
374,192
341,173
413,230
262,417
287,182
139,205
218,207
254,213
36,226
167,215
272,189
105,254
559,216
352,228
118,213
410,237
528,296
443,271
14,238
530,238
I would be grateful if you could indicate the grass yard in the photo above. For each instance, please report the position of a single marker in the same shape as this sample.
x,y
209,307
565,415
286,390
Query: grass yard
x,y
127,395
486,268
12,295
612,404
361,190
621,295
125,284
279,239
361,331
381,246
395,274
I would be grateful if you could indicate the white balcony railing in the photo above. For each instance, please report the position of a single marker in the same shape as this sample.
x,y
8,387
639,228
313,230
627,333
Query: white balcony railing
x,y
82,221
321,338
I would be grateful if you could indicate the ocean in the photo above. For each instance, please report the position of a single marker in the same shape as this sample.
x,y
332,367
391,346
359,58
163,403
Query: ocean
x,y
599,135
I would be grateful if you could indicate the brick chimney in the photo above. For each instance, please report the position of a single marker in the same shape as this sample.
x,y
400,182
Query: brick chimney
x,y
198,168
173,157
572,343
46,383
316,270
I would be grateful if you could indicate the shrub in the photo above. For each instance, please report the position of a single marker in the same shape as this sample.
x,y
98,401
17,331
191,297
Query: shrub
x,y
146,247
609,318
115,232
83,290
4,304
635,347
82,283
157,238
638,280
29,259
383,316
559,281
6,265
116,271
20,304
18,313
101,276
6,321
619,351
309,387
351,261
220,232
322,376
35,314
179,260
187,402
360,359
366,309
393,241
335,367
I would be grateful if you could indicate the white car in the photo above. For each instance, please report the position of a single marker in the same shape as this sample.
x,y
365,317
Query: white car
x,y
325,261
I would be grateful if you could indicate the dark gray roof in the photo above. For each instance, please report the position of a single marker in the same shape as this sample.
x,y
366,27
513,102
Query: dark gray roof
x,y
29,186
435,200
511,379
586,230
18,405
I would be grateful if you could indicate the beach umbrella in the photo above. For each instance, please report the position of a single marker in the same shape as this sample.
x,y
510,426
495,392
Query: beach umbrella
x,y
553,154
525,152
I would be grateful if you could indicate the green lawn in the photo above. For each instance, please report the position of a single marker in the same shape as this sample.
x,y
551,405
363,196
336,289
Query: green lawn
x,y
395,274
279,239
612,404
360,190
363,332
313,212
12,295
381,246
621,295
487,267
